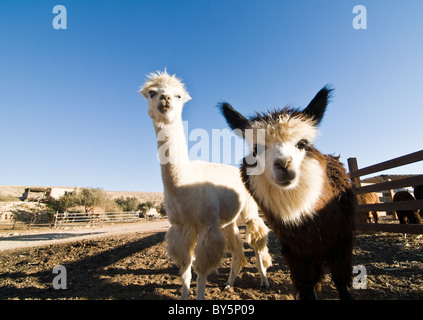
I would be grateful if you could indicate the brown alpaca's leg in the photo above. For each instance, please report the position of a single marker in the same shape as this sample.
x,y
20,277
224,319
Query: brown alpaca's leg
x,y
304,275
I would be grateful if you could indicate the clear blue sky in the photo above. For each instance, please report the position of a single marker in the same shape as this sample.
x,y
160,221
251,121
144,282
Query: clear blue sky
x,y
70,114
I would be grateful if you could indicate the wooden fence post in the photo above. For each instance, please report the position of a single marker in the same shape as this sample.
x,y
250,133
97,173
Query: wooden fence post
x,y
390,196
360,217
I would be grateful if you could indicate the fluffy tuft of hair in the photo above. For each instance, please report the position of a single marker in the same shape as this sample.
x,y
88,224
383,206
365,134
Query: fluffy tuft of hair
x,y
285,124
164,80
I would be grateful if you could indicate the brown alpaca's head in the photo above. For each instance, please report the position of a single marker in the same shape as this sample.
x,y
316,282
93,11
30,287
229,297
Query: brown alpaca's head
x,y
286,154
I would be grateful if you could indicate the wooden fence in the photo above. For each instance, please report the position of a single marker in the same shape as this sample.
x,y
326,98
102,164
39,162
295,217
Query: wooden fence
x,y
355,174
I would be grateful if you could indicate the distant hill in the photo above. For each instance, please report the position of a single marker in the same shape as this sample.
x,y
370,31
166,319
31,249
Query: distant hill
x,y
17,192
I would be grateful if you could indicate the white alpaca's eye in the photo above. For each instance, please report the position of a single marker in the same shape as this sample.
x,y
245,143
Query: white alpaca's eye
x,y
152,94
178,96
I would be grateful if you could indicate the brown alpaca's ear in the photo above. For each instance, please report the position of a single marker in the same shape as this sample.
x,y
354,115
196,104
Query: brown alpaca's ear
x,y
317,107
234,119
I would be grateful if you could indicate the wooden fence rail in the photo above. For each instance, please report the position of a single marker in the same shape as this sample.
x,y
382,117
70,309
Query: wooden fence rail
x,y
397,162
355,174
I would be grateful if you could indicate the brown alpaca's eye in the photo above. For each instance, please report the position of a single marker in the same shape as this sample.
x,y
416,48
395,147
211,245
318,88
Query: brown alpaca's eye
x,y
258,149
302,144
255,150
152,94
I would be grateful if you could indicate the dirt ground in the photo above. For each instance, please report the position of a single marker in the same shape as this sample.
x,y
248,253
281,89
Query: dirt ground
x,y
135,266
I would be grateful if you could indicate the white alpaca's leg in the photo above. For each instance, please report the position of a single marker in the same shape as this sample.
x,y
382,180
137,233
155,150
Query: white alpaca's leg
x,y
181,241
201,285
235,246
257,234
209,252
264,282
186,281
257,238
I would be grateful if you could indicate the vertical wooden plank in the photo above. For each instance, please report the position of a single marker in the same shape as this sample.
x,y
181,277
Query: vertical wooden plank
x,y
352,167
360,217
390,195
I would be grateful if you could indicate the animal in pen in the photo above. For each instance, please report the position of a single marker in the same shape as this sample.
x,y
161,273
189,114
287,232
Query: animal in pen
x,y
418,194
369,198
305,195
203,200
407,216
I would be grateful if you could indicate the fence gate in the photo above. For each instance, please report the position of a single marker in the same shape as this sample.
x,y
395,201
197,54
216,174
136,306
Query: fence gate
x,y
355,175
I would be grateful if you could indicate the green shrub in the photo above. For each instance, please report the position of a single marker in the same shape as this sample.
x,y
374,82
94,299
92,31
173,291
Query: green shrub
x,y
128,204
161,209
88,198
145,206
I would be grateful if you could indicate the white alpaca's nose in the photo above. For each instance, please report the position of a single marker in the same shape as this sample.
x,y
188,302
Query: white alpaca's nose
x,y
165,103
165,97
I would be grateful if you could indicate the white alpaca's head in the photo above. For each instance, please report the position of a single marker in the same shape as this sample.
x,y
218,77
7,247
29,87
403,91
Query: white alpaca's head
x,y
289,136
166,96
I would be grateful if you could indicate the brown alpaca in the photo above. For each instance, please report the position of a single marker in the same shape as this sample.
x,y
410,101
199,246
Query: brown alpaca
x,y
306,196
407,216
369,198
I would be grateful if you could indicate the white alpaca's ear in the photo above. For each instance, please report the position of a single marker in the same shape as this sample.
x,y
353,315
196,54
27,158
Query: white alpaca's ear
x,y
186,97
144,92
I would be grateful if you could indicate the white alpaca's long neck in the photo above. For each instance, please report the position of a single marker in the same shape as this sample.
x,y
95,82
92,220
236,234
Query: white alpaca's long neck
x,y
172,152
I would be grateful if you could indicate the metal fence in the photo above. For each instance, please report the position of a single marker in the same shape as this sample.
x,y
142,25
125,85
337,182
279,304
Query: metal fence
x,y
78,219
18,219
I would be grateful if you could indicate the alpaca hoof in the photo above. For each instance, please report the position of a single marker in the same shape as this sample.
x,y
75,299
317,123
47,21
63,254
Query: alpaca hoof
x,y
264,286
227,287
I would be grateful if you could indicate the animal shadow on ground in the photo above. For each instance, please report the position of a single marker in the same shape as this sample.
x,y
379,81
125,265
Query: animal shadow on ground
x,y
96,275
46,236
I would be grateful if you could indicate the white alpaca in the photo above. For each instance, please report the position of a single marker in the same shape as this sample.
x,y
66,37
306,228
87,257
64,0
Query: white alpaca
x,y
203,200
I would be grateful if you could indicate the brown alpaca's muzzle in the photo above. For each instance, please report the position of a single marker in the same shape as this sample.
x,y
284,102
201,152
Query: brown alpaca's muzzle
x,y
283,173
